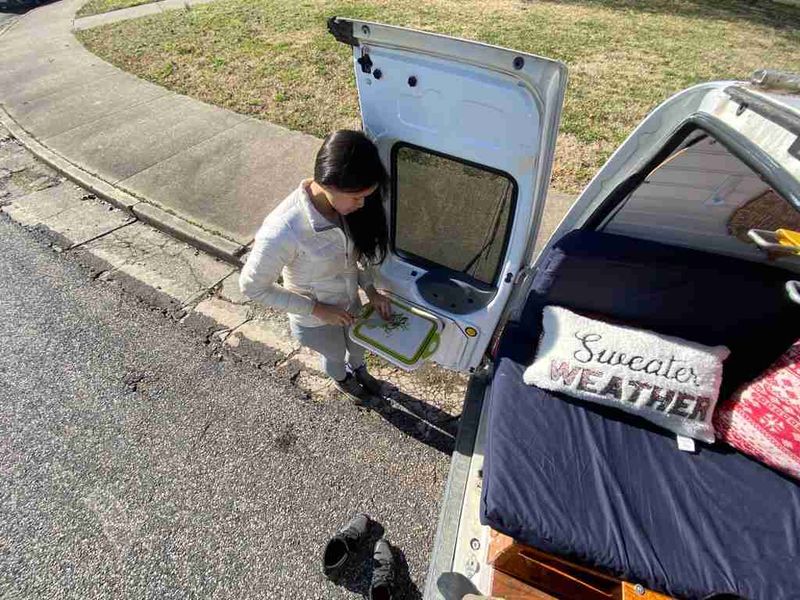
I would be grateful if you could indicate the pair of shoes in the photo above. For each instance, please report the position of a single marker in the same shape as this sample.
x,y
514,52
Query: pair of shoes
x,y
368,382
351,388
345,545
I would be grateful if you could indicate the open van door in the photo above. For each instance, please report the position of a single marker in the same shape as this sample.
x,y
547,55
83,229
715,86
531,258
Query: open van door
x,y
468,132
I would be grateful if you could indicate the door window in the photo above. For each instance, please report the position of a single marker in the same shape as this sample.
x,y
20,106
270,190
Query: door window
x,y
450,213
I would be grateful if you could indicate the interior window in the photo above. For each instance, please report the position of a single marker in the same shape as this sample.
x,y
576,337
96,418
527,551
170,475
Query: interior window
x,y
451,214
704,197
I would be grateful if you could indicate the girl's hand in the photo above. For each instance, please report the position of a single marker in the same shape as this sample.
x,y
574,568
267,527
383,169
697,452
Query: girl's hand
x,y
332,314
381,303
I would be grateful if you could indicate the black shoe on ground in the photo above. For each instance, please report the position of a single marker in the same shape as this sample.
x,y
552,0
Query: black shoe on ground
x,y
351,388
382,572
368,382
344,545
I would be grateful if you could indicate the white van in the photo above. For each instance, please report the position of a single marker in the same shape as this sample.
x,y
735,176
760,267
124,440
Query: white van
x,y
547,496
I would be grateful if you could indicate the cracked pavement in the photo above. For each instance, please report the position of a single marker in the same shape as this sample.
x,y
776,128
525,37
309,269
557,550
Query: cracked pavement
x,y
137,460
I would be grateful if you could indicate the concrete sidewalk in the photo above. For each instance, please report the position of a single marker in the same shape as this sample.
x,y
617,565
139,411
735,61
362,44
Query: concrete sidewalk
x,y
217,171
134,12
202,173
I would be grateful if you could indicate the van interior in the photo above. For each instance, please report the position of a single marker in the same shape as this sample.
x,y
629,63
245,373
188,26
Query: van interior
x,y
585,501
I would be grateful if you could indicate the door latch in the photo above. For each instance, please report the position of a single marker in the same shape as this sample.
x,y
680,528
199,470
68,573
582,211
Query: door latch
x,y
365,61
523,273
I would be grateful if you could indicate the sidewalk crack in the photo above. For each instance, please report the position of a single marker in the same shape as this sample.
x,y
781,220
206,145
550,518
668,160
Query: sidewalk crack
x,y
100,235
206,291
110,114
239,326
69,89
120,182
287,358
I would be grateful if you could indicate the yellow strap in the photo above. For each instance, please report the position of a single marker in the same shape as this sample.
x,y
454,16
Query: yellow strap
x,y
788,237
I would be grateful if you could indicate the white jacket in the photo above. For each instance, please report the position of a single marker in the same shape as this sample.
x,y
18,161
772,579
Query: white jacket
x,y
315,256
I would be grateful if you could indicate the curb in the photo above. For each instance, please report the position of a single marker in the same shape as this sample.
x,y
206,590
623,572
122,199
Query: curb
x,y
192,288
8,25
215,245
220,247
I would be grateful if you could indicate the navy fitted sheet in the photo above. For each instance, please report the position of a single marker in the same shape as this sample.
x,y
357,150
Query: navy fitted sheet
x,y
613,491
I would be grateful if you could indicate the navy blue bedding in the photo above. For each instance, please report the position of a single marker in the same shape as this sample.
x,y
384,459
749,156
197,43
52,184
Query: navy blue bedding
x,y
609,489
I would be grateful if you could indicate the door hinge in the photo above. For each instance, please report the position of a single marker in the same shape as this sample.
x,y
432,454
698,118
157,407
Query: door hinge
x,y
342,30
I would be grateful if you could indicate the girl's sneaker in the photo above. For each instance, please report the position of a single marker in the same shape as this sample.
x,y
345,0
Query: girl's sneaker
x,y
350,387
368,382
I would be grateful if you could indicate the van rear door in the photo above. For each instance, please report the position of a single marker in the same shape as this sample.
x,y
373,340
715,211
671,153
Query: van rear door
x,y
468,132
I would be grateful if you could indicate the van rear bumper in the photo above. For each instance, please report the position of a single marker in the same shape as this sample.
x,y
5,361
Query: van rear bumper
x,y
444,544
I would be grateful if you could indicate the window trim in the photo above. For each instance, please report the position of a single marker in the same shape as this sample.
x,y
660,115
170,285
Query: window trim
x,y
428,264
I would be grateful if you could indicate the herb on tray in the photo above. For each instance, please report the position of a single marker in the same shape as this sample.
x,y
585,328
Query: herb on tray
x,y
398,321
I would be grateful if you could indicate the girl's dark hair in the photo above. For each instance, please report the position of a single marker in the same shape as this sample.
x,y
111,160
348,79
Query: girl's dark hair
x,y
349,162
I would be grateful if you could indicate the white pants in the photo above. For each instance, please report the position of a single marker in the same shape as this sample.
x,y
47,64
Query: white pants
x,y
336,349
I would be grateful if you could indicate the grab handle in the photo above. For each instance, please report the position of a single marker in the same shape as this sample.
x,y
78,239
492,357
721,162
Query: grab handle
x,y
770,241
793,290
432,347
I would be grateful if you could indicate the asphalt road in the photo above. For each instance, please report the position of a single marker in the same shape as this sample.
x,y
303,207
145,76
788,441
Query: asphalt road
x,y
134,463
6,18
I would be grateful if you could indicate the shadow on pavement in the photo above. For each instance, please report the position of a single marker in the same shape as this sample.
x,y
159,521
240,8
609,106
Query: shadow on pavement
x,y
413,417
427,412
404,587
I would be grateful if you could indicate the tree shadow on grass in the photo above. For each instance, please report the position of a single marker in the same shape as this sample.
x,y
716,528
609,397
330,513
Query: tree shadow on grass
x,y
758,12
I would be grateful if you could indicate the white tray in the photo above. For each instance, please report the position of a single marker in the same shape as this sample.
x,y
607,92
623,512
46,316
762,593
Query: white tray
x,y
407,340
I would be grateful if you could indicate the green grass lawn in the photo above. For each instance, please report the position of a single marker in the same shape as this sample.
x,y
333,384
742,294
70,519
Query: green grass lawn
x,y
273,59
95,7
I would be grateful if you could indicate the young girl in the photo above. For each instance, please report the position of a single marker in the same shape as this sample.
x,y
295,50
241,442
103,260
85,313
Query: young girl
x,y
323,238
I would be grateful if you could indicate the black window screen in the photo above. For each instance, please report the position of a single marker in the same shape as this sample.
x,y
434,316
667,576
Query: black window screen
x,y
450,213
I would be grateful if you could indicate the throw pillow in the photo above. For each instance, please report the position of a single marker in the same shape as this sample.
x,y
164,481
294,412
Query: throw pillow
x,y
668,381
762,419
